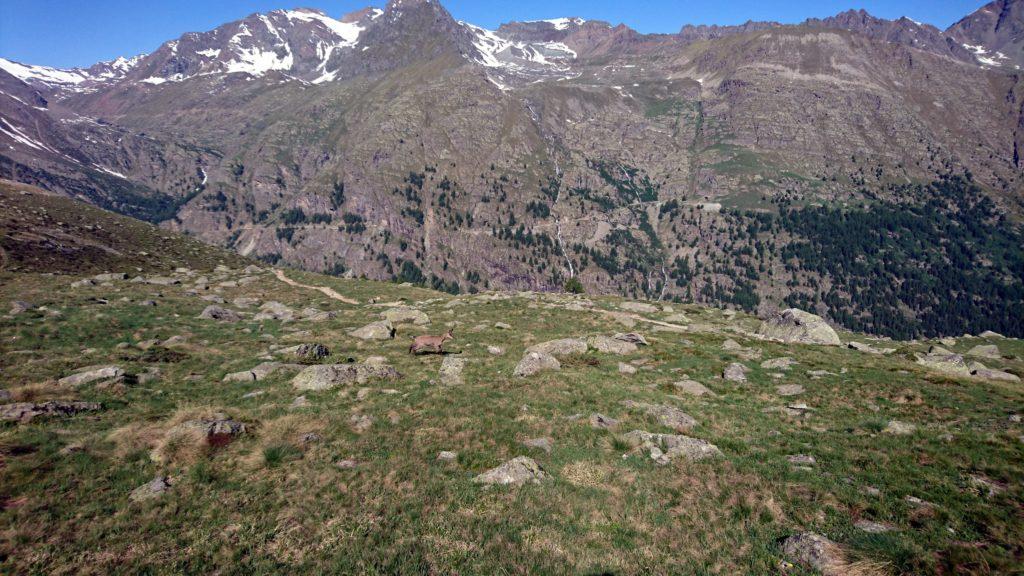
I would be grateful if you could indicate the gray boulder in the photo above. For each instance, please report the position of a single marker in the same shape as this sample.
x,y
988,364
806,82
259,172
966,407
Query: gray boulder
x,y
989,351
602,422
798,327
561,347
535,362
667,416
91,375
663,448
517,471
816,552
220,314
150,490
608,345
309,352
405,315
329,376
382,330
632,338
451,370
942,360
735,372
260,372
27,411
693,388
275,311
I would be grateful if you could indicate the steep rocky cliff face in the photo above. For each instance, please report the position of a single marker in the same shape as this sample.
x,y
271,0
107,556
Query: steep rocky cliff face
x,y
400,143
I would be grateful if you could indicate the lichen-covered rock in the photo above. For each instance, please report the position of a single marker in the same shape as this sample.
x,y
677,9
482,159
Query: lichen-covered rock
x,y
990,351
778,363
816,552
309,352
451,370
405,315
329,376
382,330
693,388
667,416
153,489
608,345
798,327
26,411
942,360
735,372
663,448
220,314
519,470
92,375
560,348
535,362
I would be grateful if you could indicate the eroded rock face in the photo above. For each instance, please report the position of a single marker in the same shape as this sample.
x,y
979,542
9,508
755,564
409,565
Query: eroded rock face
x,y
798,327
517,471
663,448
535,362
27,411
560,348
329,376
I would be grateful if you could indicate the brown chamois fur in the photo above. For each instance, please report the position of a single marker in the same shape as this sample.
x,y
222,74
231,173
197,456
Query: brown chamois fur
x,y
431,344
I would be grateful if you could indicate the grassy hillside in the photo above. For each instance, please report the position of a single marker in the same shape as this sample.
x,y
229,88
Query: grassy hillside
x,y
349,480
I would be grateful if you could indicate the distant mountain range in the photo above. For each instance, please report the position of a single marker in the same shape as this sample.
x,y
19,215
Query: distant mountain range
x,y
746,165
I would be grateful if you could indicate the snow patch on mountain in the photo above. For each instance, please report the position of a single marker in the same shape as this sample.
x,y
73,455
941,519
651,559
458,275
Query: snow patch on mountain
x,y
982,55
562,23
43,74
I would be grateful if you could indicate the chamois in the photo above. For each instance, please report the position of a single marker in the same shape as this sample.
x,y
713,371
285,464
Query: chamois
x,y
430,343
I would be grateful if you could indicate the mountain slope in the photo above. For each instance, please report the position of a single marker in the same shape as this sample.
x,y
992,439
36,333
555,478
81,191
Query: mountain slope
x,y
666,166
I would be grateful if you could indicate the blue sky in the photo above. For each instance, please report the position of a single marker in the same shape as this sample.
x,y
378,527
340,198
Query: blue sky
x,y
68,33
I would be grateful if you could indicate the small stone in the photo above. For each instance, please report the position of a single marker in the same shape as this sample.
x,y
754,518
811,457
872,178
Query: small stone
x,y
632,338
627,369
311,438
346,464
502,326
447,456
300,402
20,307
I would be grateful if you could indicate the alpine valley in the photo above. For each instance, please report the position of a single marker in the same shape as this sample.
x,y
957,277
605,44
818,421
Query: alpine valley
x,y
864,169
